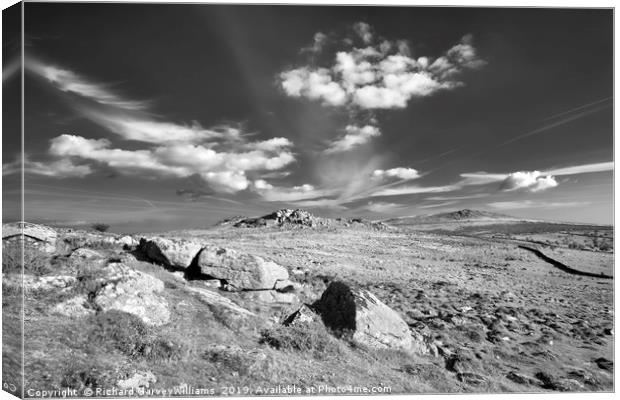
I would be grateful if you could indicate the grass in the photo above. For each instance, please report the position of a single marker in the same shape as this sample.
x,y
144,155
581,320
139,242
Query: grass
x,y
35,261
128,334
311,338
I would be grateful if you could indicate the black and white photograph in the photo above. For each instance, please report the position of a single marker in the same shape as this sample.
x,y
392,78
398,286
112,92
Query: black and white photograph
x,y
203,199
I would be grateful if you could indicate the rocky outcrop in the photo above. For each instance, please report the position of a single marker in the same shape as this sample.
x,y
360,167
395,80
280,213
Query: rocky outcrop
x,y
279,218
133,292
175,253
358,313
240,270
42,237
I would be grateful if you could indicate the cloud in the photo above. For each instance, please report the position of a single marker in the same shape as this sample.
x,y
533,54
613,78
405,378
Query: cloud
x,y
403,190
381,75
583,169
138,128
512,205
400,173
295,194
364,31
317,46
221,156
382,207
355,136
63,168
437,205
69,81
223,171
481,178
466,197
534,181
314,85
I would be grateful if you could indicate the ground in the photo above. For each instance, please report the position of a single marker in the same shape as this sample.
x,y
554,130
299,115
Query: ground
x,y
502,318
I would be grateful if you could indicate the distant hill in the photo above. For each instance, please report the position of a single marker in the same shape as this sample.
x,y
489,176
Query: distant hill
x,y
452,216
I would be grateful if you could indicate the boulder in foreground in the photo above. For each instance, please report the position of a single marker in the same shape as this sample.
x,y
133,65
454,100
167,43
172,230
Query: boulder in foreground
x,y
357,312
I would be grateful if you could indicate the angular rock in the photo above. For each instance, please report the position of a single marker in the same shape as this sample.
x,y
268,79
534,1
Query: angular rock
x,y
271,297
241,270
141,379
216,299
304,315
127,241
176,253
84,254
286,286
354,311
133,292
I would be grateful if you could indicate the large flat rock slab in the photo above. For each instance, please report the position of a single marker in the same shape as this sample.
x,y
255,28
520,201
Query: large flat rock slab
x,y
240,270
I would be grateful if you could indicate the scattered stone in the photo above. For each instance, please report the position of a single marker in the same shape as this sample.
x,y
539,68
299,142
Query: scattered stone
x,y
560,384
463,360
304,315
241,270
40,283
141,379
355,311
74,307
175,253
470,378
518,378
604,363
133,292
234,357
584,376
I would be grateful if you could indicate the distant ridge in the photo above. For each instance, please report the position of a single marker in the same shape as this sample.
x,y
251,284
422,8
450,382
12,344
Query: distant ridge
x,y
468,214
452,216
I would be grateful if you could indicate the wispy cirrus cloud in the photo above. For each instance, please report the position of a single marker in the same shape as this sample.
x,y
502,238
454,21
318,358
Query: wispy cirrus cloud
x,y
222,156
63,168
514,205
355,136
582,169
70,81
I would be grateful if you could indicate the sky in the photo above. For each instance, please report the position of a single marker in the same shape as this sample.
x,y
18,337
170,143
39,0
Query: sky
x,y
157,117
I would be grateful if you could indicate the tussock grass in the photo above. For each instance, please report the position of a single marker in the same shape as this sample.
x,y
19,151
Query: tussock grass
x,y
35,261
128,334
311,338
